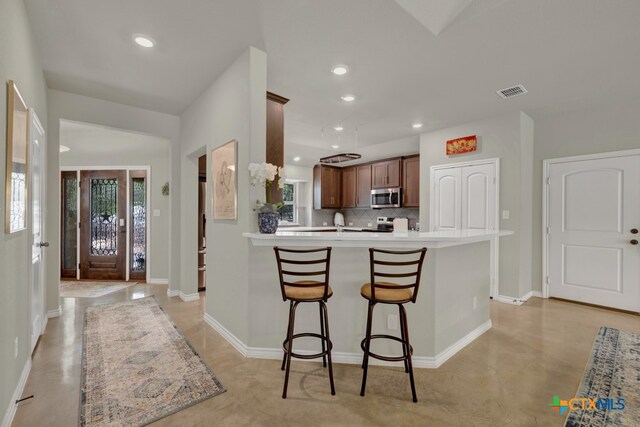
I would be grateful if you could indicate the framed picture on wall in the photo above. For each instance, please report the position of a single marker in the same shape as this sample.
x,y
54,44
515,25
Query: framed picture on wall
x,y
224,188
17,164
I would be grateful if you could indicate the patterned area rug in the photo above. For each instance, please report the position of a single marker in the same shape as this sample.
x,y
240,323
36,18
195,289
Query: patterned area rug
x,y
91,289
137,367
613,373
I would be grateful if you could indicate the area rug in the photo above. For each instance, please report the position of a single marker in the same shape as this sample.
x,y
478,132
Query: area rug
x,y
91,289
612,374
137,367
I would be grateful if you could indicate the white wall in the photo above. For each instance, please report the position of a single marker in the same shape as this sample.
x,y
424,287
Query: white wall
x,y
68,106
19,62
129,149
605,128
233,107
509,138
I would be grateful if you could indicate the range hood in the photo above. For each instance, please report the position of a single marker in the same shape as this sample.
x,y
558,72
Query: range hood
x,y
340,158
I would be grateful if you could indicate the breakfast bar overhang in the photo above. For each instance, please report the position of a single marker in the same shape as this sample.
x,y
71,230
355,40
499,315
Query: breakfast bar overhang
x,y
452,308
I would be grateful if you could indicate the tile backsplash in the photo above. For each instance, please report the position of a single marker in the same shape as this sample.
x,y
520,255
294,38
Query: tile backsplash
x,y
364,217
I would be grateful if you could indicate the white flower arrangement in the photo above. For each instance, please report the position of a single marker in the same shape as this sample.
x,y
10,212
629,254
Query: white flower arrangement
x,y
265,174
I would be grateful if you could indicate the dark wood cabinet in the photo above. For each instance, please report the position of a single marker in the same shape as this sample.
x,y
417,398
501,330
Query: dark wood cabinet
x,y
411,182
349,187
363,187
327,186
386,174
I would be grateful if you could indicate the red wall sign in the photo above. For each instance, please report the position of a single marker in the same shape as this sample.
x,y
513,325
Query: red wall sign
x,y
466,144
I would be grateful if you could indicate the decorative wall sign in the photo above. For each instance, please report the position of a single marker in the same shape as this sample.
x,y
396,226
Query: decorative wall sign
x,y
225,183
17,167
466,144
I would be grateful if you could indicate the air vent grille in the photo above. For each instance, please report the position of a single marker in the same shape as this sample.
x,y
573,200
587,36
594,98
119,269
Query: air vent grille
x,y
510,92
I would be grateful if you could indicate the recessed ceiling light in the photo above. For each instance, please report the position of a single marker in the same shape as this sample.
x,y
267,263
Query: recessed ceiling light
x,y
338,128
416,125
64,149
335,147
348,98
143,40
296,159
340,70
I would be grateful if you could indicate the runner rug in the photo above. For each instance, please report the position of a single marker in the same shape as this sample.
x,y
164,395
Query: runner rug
x,y
612,378
137,367
91,289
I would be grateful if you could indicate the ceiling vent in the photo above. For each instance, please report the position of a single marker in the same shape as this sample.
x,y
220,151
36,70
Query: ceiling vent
x,y
510,92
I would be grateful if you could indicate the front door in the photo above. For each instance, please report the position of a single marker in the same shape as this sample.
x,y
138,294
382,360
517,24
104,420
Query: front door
x,y
103,225
593,219
37,180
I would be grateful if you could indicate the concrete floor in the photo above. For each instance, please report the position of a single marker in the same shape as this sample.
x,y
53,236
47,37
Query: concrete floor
x,y
506,377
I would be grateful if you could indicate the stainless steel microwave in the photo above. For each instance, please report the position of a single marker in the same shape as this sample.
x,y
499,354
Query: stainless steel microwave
x,y
386,198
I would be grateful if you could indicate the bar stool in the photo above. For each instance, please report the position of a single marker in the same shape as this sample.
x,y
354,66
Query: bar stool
x,y
384,292
301,291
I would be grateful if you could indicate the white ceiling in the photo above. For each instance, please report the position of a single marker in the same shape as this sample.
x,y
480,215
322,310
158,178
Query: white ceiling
x,y
568,54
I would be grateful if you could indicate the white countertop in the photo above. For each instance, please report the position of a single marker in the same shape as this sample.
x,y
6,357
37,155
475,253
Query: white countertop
x,y
433,239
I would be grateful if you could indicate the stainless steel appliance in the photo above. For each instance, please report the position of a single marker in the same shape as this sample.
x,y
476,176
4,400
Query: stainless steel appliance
x,y
386,198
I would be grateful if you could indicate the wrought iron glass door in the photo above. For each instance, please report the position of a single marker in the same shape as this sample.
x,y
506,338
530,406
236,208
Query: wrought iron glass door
x,y
103,225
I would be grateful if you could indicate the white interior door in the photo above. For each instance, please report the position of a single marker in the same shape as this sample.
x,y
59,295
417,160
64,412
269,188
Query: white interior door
x,y
478,202
37,162
446,199
593,218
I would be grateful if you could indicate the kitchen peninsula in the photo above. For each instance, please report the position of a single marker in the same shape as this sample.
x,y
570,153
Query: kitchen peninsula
x,y
452,308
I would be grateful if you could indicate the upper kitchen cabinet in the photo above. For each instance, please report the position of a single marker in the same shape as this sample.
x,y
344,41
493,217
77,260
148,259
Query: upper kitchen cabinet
x,y
327,186
411,182
356,187
363,186
386,174
349,187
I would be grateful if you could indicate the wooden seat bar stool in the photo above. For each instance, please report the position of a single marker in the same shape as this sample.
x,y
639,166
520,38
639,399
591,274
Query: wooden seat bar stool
x,y
301,291
386,264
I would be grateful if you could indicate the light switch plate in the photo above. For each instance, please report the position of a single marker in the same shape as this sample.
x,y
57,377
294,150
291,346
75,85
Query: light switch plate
x,y
156,212
506,214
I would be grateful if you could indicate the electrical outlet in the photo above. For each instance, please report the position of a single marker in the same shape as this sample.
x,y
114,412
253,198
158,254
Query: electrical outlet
x,y
506,214
350,224
324,224
369,224
392,321
475,302
15,348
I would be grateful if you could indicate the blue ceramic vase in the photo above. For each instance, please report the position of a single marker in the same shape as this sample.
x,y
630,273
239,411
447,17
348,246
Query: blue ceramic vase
x,y
268,222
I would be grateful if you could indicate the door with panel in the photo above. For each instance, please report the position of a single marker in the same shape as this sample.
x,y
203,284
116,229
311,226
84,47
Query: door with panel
x,y
349,187
478,196
37,156
446,199
592,237
364,186
103,238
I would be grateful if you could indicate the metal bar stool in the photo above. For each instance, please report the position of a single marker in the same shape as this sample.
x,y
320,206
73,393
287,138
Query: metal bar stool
x,y
300,291
384,292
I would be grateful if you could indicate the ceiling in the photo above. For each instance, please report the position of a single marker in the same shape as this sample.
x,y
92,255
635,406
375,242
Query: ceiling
x,y
87,141
432,61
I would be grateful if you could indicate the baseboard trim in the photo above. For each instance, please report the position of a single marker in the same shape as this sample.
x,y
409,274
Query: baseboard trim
x,y
54,313
448,353
227,335
173,293
158,281
344,357
17,394
189,297
509,300
537,294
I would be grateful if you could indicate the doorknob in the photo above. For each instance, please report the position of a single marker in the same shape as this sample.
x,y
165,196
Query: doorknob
x,y
44,244
634,231
634,242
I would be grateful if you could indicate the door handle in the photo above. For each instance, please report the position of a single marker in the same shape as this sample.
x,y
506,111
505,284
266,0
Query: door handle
x,y
634,231
43,244
634,242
